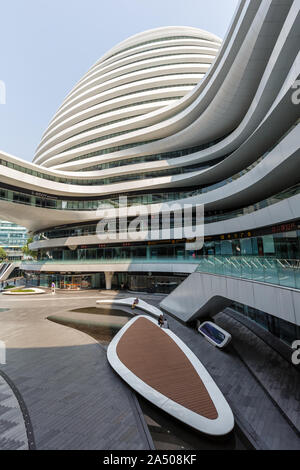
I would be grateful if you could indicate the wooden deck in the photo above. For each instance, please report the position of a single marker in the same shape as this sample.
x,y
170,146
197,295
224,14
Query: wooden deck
x,y
157,360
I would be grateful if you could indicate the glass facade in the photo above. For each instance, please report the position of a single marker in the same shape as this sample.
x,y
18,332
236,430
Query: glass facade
x,y
50,202
137,282
164,252
114,164
67,281
269,255
283,244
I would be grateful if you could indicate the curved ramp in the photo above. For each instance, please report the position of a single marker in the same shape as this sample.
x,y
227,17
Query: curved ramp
x,y
203,294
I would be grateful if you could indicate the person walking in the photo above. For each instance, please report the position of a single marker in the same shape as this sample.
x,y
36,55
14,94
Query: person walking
x,y
53,288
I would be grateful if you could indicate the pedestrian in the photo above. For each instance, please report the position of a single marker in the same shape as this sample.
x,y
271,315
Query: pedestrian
x,y
135,303
53,288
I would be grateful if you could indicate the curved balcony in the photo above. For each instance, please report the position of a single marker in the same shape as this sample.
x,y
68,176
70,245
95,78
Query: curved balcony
x,y
180,264
281,272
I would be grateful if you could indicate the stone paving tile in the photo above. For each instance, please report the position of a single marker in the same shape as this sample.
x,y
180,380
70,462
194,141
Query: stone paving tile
x,y
7,444
242,391
67,383
12,428
74,399
280,379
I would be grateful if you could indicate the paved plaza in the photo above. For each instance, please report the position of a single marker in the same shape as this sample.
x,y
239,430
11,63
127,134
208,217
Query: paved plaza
x,y
57,390
74,399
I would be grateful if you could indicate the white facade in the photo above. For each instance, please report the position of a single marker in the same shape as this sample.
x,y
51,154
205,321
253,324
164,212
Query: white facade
x,y
171,114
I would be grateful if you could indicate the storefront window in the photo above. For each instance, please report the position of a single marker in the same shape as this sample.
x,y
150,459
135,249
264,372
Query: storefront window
x,y
269,246
246,246
226,247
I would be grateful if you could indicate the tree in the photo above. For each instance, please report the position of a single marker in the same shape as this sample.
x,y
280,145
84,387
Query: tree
x,y
26,250
3,254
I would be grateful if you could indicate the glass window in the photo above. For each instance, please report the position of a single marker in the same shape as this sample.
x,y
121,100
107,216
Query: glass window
x,y
269,246
226,247
246,246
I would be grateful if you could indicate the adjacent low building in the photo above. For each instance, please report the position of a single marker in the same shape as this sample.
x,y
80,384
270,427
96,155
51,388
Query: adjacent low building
x,y
12,239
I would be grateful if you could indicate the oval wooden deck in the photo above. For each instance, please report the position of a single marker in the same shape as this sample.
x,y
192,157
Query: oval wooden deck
x,y
156,359
158,365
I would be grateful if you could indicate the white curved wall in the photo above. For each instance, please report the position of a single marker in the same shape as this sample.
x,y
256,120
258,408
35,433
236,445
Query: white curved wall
x,y
170,64
166,90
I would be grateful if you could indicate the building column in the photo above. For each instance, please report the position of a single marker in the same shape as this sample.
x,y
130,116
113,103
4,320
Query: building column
x,y
108,279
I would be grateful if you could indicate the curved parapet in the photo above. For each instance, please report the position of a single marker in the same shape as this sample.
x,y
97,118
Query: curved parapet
x,y
202,295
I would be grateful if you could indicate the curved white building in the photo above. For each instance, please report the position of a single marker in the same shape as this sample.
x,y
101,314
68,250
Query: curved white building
x,y
137,85
176,115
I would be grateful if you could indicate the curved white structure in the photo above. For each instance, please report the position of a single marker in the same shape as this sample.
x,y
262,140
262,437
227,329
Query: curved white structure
x,y
220,424
138,84
172,115
128,302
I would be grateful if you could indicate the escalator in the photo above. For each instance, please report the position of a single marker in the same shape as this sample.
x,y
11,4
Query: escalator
x,y
3,267
7,271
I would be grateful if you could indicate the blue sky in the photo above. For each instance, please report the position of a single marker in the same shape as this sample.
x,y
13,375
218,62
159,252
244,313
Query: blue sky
x,y
47,45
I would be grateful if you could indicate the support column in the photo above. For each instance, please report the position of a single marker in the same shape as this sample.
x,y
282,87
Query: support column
x,y
108,279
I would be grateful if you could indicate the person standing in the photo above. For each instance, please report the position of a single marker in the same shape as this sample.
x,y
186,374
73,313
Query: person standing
x,y
163,322
135,303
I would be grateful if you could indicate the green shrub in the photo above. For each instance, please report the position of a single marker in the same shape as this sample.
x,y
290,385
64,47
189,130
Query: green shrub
x,y
22,290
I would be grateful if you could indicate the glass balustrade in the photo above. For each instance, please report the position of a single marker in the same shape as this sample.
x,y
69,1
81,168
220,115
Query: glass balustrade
x,y
282,272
